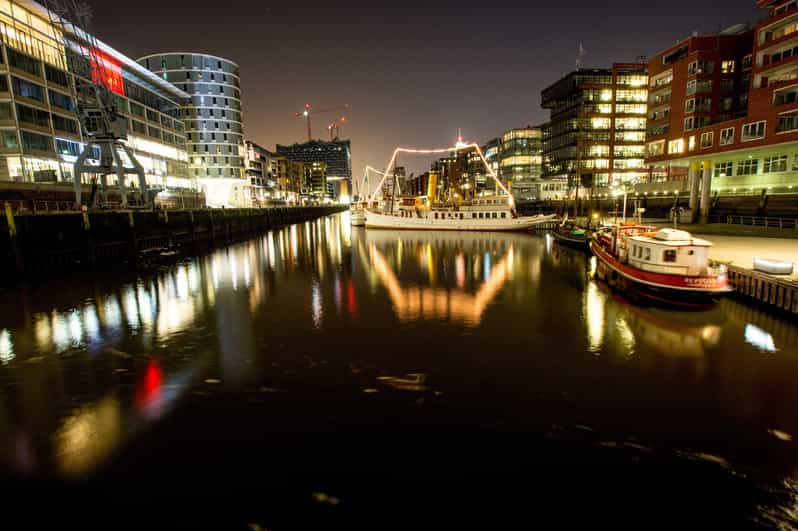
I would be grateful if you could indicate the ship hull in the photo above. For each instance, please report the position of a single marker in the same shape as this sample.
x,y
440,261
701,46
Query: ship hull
x,y
375,220
583,244
357,218
680,290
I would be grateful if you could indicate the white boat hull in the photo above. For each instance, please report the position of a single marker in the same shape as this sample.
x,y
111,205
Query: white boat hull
x,y
375,220
357,218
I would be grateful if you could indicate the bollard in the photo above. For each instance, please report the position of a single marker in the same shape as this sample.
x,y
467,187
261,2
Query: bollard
x,y
91,251
12,232
134,241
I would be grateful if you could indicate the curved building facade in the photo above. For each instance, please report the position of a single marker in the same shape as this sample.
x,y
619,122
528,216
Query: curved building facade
x,y
213,120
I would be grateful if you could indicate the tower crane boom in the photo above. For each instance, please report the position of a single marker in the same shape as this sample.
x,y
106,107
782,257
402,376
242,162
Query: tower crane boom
x,y
310,111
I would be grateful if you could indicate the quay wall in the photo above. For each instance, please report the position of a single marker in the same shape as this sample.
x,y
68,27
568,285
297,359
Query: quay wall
x,y
765,289
33,245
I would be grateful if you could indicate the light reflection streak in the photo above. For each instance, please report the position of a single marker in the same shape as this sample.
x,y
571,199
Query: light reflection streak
x,y
420,302
6,347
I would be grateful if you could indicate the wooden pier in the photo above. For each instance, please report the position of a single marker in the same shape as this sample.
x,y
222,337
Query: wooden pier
x,y
765,289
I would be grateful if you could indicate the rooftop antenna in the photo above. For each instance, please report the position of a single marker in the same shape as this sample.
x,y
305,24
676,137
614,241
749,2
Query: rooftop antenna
x,y
580,54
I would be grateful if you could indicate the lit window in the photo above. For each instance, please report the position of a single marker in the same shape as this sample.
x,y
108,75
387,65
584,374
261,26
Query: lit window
x,y
748,167
676,146
775,164
707,139
727,67
691,143
724,169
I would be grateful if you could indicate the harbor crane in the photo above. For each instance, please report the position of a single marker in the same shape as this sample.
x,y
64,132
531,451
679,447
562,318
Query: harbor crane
x,y
335,128
96,77
309,112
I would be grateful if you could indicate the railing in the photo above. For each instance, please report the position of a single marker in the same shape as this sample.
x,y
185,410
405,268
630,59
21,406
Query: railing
x,y
757,221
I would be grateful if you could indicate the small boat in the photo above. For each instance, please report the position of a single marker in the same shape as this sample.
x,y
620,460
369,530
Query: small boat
x,y
663,265
494,213
568,233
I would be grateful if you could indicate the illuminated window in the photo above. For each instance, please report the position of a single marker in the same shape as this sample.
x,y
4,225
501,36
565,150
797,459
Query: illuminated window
x,y
748,167
727,67
775,164
724,169
691,143
656,148
676,146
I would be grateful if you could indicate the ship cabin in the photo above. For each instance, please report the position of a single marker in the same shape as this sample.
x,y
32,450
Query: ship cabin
x,y
493,207
667,251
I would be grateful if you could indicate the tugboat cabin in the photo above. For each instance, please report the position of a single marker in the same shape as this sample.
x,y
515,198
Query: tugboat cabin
x,y
668,251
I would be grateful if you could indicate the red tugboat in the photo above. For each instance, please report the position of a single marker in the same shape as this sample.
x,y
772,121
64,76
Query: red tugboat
x,y
664,265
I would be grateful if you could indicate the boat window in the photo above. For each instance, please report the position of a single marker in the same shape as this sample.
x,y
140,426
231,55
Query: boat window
x,y
495,215
648,254
504,215
691,252
461,215
473,215
670,256
436,215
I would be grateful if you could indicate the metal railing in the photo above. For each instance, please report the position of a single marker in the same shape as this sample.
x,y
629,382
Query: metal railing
x,y
757,221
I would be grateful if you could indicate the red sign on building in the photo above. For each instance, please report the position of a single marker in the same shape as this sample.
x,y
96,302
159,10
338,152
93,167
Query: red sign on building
x,y
106,71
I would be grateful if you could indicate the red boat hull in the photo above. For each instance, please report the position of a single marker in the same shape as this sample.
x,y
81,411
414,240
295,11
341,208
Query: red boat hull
x,y
658,286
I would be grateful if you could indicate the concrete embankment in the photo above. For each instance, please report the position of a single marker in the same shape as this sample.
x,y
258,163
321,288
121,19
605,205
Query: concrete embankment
x,y
55,244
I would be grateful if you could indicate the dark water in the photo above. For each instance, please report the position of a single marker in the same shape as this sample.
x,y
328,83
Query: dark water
x,y
326,364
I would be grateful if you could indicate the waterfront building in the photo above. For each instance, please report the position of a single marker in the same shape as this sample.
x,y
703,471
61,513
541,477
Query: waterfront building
x,y
336,157
520,162
215,132
40,132
309,179
595,138
733,104
259,171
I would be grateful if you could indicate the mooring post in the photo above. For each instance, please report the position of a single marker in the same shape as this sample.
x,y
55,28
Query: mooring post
x,y
12,232
134,241
90,247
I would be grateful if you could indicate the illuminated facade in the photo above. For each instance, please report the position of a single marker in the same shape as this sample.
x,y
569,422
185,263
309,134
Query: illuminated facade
x,y
41,136
259,172
215,133
336,157
730,125
521,161
596,134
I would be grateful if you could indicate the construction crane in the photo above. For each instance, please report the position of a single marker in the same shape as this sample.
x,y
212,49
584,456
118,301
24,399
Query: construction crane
x,y
103,126
335,128
309,112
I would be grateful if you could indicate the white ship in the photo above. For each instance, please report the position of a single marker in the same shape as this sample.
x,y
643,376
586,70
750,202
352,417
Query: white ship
x,y
494,213
357,214
447,209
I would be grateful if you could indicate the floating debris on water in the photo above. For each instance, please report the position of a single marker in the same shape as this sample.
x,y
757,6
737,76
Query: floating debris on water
x,y
213,381
111,351
780,435
412,382
322,497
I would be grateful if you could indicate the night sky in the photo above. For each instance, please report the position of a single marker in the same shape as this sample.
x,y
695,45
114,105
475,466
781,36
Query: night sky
x,y
413,75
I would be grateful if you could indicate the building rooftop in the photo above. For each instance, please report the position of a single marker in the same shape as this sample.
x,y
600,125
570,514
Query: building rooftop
x,y
155,83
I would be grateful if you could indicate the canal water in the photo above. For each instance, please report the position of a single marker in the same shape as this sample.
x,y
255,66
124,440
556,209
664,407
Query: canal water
x,y
320,356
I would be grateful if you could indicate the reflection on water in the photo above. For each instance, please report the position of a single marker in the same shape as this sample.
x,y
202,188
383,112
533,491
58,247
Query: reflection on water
x,y
85,366
477,280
